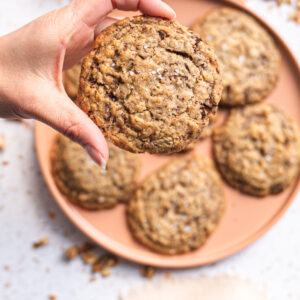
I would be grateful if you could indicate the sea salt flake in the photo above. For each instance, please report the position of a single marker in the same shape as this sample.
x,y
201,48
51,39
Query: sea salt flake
x,y
241,58
187,228
224,47
101,199
268,158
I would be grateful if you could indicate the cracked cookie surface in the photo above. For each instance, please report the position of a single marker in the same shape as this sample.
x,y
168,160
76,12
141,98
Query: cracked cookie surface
x,y
84,182
257,150
178,206
150,84
248,57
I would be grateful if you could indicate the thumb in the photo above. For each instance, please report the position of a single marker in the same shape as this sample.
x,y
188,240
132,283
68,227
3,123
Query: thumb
x,y
63,115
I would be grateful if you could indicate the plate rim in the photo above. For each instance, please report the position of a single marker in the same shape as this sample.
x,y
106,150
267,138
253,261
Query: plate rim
x,y
178,264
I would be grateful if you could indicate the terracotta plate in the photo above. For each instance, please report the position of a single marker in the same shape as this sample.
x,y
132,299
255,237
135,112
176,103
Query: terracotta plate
x,y
246,218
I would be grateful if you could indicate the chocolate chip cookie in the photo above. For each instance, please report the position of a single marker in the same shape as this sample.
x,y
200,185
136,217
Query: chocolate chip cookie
x,y
248,57
150,84
177,207
71,81
85,183
258,149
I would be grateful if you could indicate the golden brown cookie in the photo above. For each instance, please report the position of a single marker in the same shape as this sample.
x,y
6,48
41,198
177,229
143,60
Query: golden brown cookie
x,y
84,182
150,84
248,57
177,207
257,150
71,81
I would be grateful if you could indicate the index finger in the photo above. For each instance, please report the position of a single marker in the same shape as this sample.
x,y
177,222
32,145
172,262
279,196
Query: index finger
x,y
92,12
155,8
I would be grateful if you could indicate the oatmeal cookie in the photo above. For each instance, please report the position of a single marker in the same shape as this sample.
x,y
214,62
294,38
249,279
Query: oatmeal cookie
x,y
71,81
150,84
84,182
248,57
177,207
257,150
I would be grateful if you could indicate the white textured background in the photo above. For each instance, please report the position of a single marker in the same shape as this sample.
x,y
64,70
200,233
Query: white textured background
x,y
27,274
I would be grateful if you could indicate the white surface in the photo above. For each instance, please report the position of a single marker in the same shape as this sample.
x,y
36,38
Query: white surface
x,y
222,287
273,261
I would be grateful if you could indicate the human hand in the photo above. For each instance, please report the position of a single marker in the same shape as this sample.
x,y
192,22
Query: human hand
x,y
32,60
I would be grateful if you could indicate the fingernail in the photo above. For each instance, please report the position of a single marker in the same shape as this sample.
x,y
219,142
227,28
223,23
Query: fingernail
x,y
97,157
172,14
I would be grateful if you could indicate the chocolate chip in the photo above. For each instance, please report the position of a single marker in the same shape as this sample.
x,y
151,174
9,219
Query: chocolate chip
x,y
112,97
204,66
264,58
227,89
162,34
142,56
276,188
198,40
187,67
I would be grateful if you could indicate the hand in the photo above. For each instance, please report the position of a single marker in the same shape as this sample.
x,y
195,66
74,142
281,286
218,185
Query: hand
x,y
32,60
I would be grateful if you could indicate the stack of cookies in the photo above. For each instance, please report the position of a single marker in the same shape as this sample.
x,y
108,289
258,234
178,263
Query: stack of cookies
x,y
152,85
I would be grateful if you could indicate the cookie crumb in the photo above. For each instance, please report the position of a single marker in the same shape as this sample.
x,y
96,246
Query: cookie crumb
x,y
71,252
5,163
51,214
87,246
295,16
105,272
2,141
167,276
40,243
52,297
89,257
147,272
105,261
100,264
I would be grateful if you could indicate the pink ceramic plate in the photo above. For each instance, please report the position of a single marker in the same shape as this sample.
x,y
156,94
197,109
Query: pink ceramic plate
x,y
246,218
